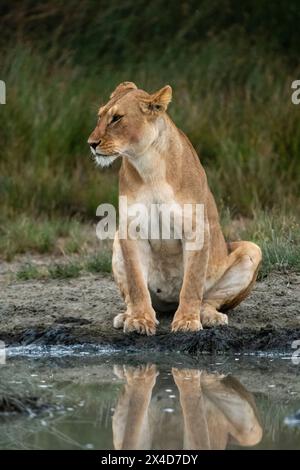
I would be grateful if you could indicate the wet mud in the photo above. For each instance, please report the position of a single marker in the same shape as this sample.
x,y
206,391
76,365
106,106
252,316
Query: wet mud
x,y
81,311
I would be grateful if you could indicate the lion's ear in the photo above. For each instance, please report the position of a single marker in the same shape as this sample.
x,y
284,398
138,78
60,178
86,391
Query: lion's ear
x,y
125,86
158,101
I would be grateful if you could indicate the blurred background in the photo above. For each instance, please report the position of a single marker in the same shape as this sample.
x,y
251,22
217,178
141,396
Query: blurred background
x,y
231,65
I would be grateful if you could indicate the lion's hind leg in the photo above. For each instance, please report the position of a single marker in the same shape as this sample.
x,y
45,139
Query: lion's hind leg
x,y
234,285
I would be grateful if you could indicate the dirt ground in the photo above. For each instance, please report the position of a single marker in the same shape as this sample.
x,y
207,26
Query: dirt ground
x,y
81,310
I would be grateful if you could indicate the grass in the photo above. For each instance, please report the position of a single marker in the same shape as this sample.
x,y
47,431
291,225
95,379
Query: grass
x,y
246,133
66,269
276,234
99,263
29,271
46,169
53,235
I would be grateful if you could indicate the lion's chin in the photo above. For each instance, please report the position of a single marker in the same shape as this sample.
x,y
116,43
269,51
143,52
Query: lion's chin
x,y
104,161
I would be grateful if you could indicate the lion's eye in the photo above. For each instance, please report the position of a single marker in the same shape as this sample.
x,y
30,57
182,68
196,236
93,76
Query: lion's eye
x,y
116,118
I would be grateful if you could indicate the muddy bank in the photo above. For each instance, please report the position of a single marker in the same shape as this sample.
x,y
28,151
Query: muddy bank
x,y
81,310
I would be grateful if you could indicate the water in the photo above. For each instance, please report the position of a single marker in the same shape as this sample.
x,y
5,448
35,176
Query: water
x,y
83,398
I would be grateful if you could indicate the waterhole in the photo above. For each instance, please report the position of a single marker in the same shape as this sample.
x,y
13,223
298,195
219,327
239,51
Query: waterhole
x,y
90,398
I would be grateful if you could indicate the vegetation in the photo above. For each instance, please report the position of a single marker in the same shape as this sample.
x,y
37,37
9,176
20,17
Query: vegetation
x,y
29,271
231,66
67,268
100,263
277,235
64,270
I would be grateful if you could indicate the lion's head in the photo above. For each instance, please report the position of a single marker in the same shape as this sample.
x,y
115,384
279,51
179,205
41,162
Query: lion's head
x,y
129,123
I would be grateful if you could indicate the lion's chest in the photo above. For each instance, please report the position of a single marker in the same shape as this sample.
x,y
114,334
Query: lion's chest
x,y
157,214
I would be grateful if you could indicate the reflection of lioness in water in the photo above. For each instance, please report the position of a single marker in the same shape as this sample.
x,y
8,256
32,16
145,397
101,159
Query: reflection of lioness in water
x,y
160,166
215,411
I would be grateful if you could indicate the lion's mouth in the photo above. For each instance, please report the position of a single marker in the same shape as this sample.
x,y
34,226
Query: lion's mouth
x,y
96,153
104,160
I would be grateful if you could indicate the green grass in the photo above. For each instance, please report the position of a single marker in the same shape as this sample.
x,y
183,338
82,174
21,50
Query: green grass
x,y
99,263
64,270
246,132
276,234
29,271
54,235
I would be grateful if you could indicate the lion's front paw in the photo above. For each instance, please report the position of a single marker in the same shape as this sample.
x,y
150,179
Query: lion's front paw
x,y
145,325
119,320
211,317
218,319
186,324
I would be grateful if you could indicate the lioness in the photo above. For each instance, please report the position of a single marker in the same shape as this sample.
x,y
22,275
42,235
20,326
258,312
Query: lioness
x,y
160,165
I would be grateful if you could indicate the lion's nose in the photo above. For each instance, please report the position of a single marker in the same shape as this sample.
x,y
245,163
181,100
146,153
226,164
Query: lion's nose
x,y
94,144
